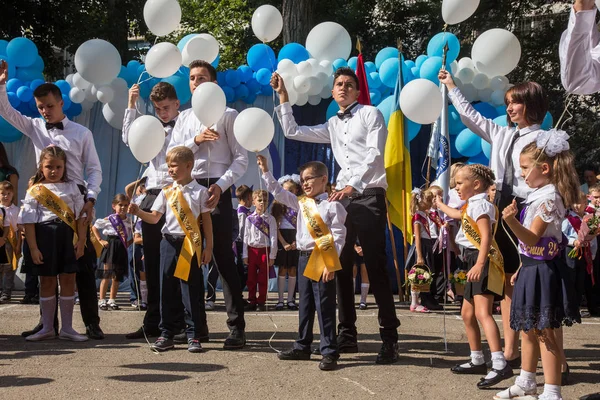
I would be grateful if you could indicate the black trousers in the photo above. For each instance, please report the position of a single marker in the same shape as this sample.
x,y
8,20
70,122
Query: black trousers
x,y
86,285
507,248
222,222
242,272
32,285
366,220
211,288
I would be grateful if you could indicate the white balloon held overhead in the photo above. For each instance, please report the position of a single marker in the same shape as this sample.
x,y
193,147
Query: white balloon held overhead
x,y
208,103
202,47
98,61
163,60
456,11
421,101
254,129
329,41
496,52
146,138
267,23
162,16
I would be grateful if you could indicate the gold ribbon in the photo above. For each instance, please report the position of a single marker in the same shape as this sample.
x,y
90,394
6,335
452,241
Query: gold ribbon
x,y
97,245
473,234
52,202
324,254
12,239
189,224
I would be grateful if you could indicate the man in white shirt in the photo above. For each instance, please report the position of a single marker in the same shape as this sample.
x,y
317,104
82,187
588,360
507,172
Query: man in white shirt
x,y
357,135
219,162
77,141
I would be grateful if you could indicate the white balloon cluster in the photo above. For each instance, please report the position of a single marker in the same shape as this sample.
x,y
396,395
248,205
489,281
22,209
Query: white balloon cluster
x,y
477,86
309,81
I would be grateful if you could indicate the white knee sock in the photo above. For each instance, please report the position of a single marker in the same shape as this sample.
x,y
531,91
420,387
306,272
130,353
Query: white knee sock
x,y
414,297
552,391
281,287
498,363
476,358
364,291
291,287
66,313
48,306
144,291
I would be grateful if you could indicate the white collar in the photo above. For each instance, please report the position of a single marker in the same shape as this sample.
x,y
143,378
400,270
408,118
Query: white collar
x,y
192,185
478,197
539,193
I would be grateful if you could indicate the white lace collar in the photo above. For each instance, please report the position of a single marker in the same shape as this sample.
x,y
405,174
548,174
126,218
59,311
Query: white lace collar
x,y
541,193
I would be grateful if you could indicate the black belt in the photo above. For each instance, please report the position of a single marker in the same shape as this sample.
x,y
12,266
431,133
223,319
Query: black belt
x,y
305,253
173,238
369,192
52,221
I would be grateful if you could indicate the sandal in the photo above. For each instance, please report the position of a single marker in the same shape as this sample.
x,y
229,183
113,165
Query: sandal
x,y
279,306
419,308
113,306
291,305
103,305
517,393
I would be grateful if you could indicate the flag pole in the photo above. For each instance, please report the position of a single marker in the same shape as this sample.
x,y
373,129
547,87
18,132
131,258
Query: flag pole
x,y
445,264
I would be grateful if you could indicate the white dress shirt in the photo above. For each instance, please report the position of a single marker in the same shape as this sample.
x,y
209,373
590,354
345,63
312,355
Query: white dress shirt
x,y
357,142
425,233
333,215
579,53
571,234
241,223
6,222
157,172
223,158
12,216
500,137
106,228
477,206
196,196
33,212
254,237
76,140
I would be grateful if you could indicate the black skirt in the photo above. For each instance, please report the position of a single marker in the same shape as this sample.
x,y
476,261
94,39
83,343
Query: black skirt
x,y
113,262
3,255
55,242
286,259
474,288
544,296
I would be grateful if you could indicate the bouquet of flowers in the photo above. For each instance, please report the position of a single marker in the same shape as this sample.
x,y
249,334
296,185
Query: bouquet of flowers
x,y
459,277
590,228
420,278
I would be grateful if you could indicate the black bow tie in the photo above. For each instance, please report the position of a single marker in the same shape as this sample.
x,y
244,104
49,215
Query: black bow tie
x,y
347,111
170,123
58,125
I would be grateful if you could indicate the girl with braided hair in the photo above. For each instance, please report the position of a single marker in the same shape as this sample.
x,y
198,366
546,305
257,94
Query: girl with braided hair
x,y
485,271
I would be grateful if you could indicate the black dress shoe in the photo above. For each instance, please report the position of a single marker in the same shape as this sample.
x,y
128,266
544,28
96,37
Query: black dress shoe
x,y
235,340
346,347
316,351
388,353
93,331
35,330
139,334
515,363
501,374
472,369
328,363
565,376
294,354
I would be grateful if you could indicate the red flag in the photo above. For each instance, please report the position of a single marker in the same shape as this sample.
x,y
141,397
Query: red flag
x,y
364,97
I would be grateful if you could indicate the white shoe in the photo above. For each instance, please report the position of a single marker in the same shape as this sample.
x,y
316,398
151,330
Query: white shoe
x,y
74,337
41,335
548,397
210,305
516,392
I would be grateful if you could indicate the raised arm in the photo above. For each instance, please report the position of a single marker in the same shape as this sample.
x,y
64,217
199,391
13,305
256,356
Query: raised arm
x,y
130,112
12,116
281,195
449,211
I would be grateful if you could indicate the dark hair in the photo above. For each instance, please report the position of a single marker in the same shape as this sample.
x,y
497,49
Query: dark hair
x,y
317,166
51,151
6,185
590,167
119,197
4,163
242,192
203,64
47,88
533,97
346,71
163,91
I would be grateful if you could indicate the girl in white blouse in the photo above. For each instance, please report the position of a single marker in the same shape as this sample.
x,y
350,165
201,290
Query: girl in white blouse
x,y
50,213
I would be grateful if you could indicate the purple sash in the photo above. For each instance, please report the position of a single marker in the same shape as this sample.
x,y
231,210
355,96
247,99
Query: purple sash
x,y
260,223
119,227
546,249
243,210
291,216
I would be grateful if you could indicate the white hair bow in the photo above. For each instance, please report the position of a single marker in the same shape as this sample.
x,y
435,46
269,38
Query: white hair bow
x,y
553,142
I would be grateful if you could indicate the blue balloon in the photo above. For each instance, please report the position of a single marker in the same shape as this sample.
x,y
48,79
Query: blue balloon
x,y
25,94
501,120
479,159
3,44
409,63
385,54
261,56
181,44
416,72
28,74
352,63
266,90
145,90
8,133
253,86
74,110
294,52
388,73
124,73
232,77
133,65
64,86
375,96
38,65
548,122
420,60
431,68
181,86
251,98
385,106
21,52
455,125
215,63
339,63
33,110
468,143
138,73
436,44
370,67
13,99
487,148
453,152
487,110
183,71
229,94
221,79
501,110
66,102
332,109
241,92
245,73
263,76
412,128
13,85
374,80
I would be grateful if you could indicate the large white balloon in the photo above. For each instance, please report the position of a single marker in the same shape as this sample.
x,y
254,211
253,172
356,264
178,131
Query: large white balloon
x,y
267,23
79,82
163,60
114,113
329,41
105,94
76,95
208,103
287,66
480,81
162,16
254,129
201,47
465,75
499,82
456,11
421,101
302,84
98,61
496,52
146,138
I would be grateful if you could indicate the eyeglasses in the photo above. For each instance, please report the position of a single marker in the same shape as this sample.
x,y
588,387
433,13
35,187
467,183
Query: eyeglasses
x,y
309,179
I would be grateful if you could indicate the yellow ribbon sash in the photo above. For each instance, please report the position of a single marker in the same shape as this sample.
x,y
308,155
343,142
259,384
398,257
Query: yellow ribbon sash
x,y
189,224
496,270
324,254
97,245
52,202
12,239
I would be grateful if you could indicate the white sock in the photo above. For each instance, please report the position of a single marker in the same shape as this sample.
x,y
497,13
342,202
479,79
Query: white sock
x,y
291,287
414,299
66,313
101,301
111,301
526,380
144,291
48,306
364,291
498,363
476,359
281,287
551,391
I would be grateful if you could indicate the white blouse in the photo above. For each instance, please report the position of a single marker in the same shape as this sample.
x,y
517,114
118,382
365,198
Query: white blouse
x,y
547,204
33,212
477,207
106,228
